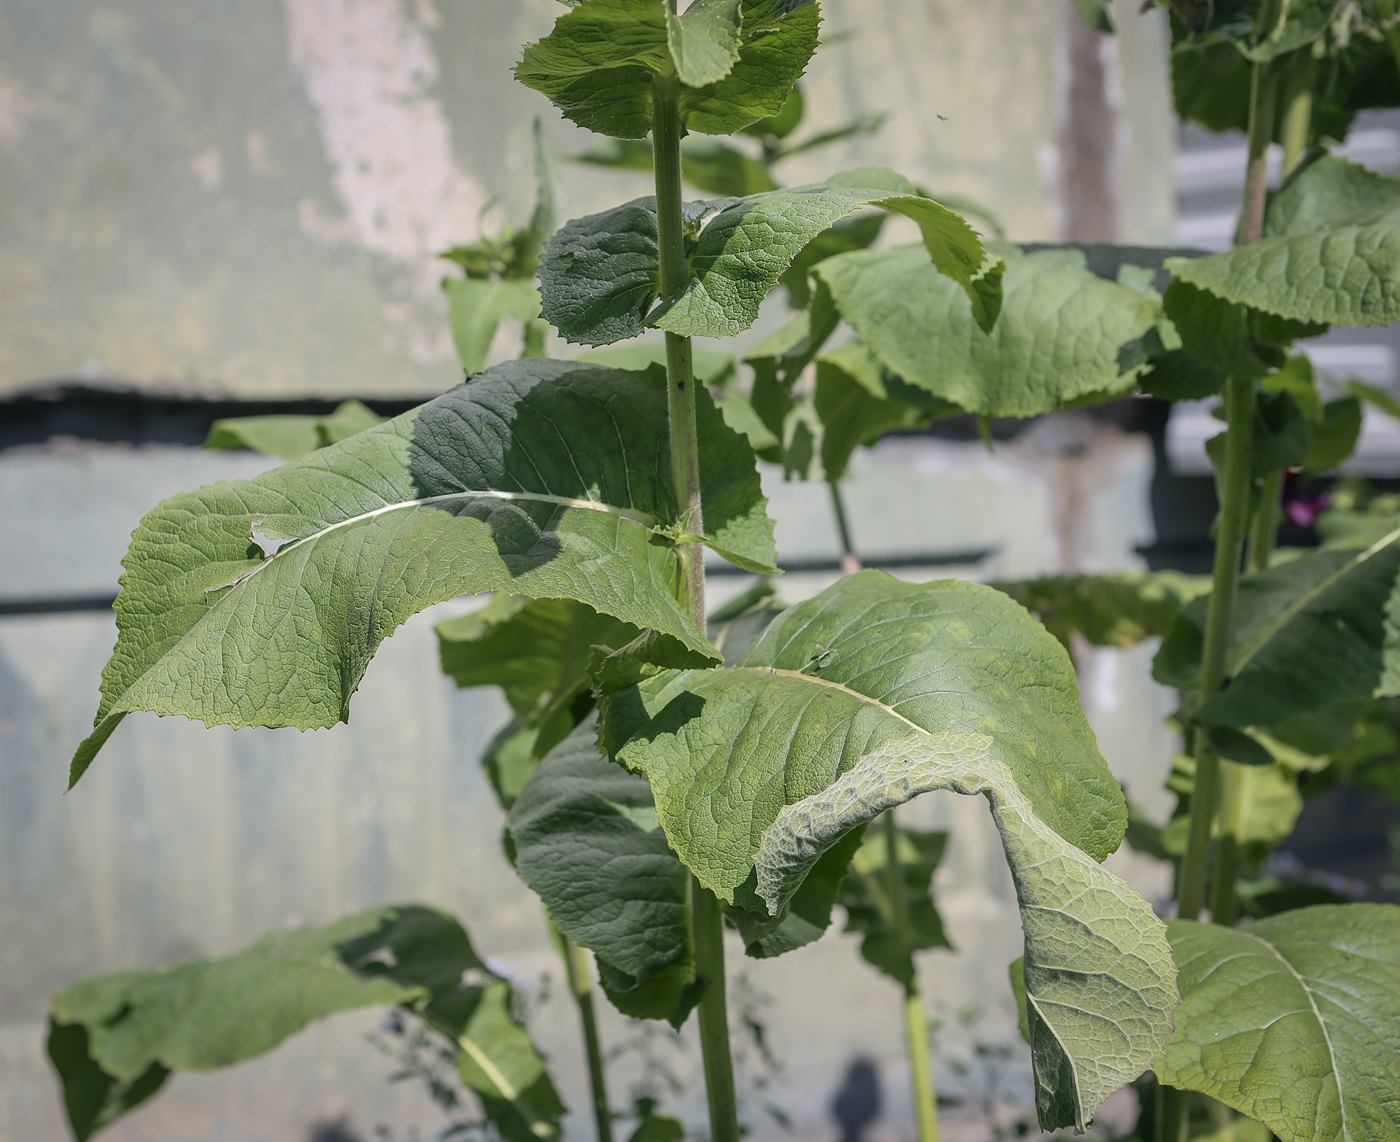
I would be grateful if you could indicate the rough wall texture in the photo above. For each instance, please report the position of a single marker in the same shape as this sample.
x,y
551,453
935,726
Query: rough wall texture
x,y
249,197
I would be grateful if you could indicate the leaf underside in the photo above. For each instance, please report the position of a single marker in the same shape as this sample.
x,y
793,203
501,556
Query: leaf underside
x,y
872,693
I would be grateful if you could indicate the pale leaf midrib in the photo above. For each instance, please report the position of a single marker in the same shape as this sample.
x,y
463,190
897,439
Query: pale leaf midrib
x,y
1257,642
1336,1071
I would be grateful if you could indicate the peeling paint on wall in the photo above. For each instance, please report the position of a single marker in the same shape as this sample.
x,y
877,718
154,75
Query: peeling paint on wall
x,y
368,68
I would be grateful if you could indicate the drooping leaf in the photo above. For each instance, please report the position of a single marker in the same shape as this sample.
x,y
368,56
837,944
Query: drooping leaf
x,y
1294,1021
705,41
212,1013
869,694
289,437
1064,332
1120,609
260,602
746,247
475,308
1308,633
537,651
600,276
865,894
1331,251
588,841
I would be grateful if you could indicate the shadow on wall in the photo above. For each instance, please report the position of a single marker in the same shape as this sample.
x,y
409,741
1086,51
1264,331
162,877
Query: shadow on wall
x,y
856,1103
336,1130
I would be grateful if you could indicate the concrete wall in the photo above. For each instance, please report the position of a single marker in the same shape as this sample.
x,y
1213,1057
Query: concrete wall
x,y
248,198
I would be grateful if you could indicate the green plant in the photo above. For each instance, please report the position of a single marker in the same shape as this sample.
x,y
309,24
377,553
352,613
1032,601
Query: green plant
x,y
672,771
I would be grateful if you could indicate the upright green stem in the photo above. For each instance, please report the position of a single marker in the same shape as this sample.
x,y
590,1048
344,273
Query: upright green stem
x,y
915,1018
1297,129
708,929
850,561
706,923
581,984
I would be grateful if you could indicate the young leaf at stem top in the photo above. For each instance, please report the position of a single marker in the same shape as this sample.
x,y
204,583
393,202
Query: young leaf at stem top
x,y
737,67
503,482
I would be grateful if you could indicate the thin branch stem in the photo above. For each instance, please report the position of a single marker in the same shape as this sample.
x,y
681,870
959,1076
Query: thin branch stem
x,y
580,974
850,561
915,1018
707,927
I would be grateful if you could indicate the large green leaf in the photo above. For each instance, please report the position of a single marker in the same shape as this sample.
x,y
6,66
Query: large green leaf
x,y
1330,252
1119,609
1064,332
598,64
588,841
865,895
600,274
1311,632
537,651
115,1037
1294,1021
869,694
289,437
260,602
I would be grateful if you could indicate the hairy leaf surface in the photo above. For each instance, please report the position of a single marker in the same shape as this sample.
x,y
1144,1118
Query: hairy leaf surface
x,y
1294,1021
1308,633
872,693
1063,332
261,602
1330,252
211,1013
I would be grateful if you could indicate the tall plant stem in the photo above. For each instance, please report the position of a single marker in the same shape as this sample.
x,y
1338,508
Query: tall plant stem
x,y
1234,486
915,1018
850,561
706,924
708,930
580,976
1234,510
